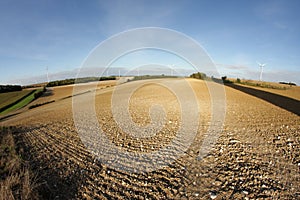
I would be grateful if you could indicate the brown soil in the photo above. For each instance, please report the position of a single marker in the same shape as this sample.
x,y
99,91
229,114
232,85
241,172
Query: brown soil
x,y
60,92
256,156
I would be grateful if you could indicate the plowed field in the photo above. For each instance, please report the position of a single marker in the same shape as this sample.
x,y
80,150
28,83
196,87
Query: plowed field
x,y
257,154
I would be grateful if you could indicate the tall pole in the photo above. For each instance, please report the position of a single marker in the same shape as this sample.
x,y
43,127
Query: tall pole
x,y
261,69
261,72
47,74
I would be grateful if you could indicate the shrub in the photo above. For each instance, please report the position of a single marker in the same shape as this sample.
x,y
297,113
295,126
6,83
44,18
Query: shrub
x,y
10,88
38,94
225,80
198,75
40,104
79,80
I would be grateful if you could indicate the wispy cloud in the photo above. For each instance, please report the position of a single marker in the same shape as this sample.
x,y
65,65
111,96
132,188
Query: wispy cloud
x,y
270,9
150,69
273,12
234,67
120,15
280,25
253,72
281,75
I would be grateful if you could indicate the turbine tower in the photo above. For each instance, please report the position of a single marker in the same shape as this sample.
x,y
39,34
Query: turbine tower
x,y
261,69
172,72
47,74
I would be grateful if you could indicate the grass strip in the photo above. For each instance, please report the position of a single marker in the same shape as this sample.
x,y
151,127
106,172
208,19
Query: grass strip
x,y
23,102
10,98
15,101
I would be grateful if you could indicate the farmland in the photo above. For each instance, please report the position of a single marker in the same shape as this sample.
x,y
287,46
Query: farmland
x,y
18,100
289,91
257,154
11,97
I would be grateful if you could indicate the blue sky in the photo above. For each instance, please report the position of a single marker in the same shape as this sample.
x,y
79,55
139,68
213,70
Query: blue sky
x,y
236,34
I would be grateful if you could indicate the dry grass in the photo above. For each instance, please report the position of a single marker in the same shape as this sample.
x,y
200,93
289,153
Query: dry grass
x,y
290,91
17,182
261,84
276,88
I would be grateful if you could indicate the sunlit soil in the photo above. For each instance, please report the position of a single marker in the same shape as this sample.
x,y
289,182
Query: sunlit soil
x,y
256,155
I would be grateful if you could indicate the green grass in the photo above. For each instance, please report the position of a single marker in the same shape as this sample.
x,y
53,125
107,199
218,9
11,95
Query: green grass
x,y
22,103
11,97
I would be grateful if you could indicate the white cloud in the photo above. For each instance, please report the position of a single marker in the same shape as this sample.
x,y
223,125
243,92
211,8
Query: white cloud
x,y
280,75
247,72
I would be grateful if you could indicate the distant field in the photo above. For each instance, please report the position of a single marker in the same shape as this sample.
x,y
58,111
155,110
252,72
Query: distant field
x,y
290,91
11,97
261,84
60,92
276,88
21,103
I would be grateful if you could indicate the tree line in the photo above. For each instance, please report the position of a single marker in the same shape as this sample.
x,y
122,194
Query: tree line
x,y
10,88
78,80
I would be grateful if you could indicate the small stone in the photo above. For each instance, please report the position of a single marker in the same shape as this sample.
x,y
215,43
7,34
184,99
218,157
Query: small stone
x,y
213,195
233,141
245,192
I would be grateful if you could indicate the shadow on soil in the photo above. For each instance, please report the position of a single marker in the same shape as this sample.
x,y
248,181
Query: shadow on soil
x,y
286,103
8,116
49,92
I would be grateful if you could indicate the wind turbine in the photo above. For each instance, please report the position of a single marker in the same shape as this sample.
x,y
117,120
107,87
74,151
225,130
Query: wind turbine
x,y
172,67
261,69
47,74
